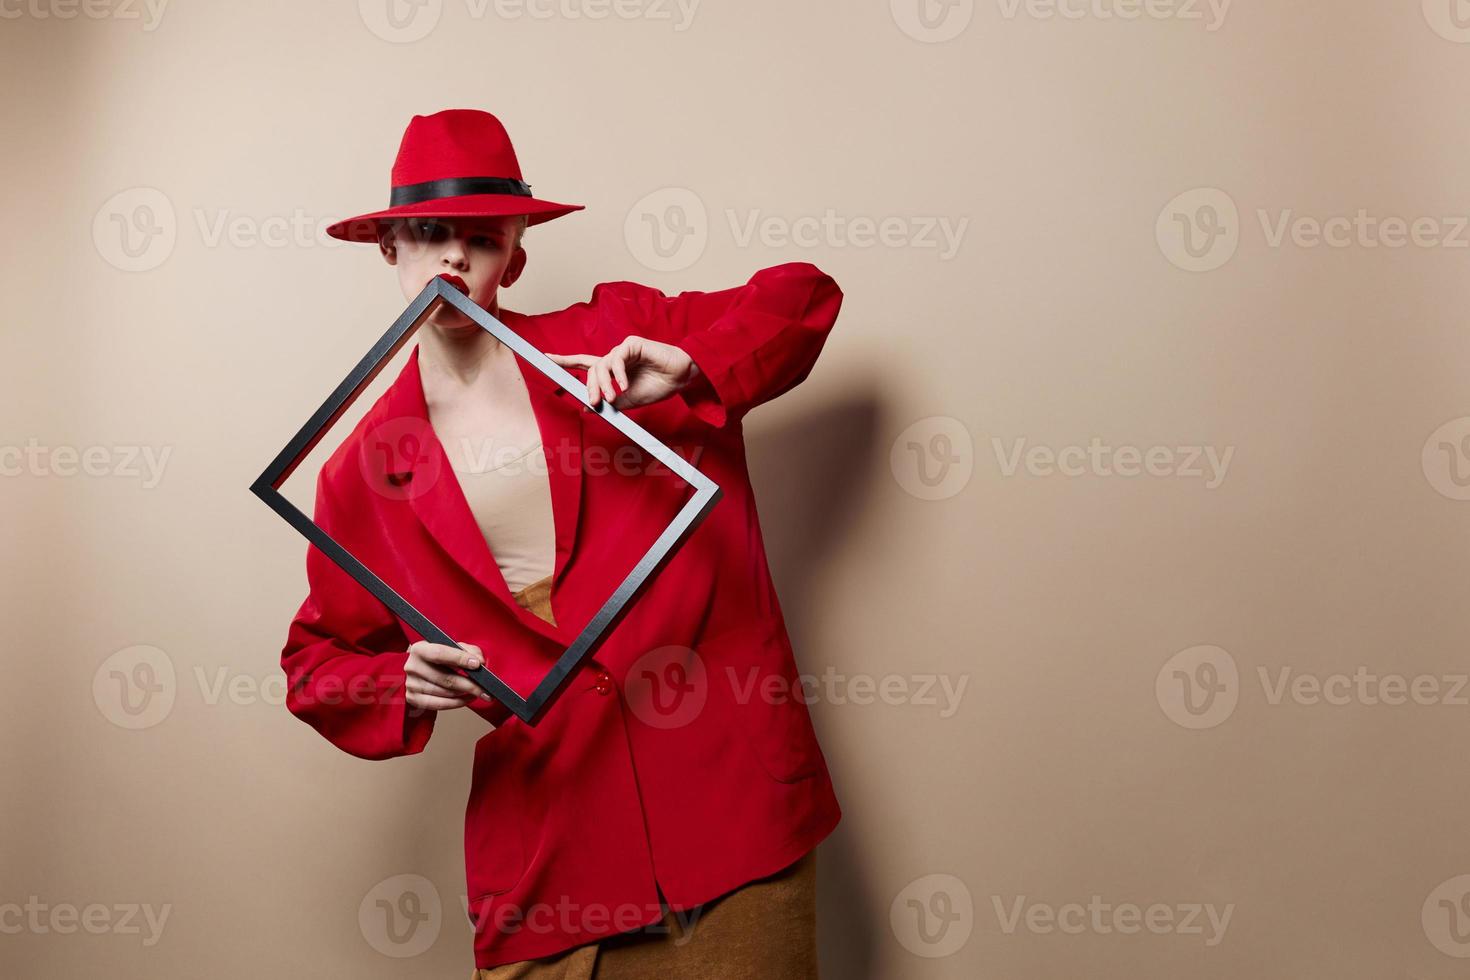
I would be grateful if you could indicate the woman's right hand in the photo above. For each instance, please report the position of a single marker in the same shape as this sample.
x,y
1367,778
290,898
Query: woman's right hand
x,y
432,683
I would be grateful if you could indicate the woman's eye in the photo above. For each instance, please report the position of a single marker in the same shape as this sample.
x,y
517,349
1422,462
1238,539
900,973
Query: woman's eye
x,y
482,241
430,231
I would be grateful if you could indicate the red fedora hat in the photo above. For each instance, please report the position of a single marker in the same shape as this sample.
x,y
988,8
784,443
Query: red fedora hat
x,y
458,163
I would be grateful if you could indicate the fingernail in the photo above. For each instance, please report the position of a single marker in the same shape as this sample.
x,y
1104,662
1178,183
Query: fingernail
x,y
472,664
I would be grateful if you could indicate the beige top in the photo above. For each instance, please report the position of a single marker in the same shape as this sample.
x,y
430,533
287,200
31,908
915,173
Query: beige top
x,y
511,502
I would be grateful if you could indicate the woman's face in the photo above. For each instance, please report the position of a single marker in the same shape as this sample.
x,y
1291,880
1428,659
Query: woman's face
x,y
484,252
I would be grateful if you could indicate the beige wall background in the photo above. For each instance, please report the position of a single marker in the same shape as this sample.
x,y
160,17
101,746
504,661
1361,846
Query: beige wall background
x,y
1123,526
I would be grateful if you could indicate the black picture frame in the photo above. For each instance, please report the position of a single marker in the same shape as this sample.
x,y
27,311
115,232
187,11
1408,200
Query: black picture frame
x,y
268,488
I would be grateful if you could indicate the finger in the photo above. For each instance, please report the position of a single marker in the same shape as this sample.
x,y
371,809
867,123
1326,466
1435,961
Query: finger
x,y
572,360
420,685
431,703
609,386
620,370
438,653
459,683
446,682
594,386
604,381
447,679
428,686
605,378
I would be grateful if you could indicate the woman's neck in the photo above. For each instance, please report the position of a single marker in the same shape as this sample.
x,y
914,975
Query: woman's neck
x,y
460,355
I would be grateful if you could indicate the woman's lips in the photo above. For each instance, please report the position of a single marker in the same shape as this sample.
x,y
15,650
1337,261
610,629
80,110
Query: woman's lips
x,y
456,282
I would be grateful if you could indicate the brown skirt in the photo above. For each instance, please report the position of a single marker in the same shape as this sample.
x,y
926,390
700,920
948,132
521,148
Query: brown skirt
x,y
763,930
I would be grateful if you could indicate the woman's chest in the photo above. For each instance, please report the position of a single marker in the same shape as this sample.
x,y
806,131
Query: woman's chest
x,y
483,430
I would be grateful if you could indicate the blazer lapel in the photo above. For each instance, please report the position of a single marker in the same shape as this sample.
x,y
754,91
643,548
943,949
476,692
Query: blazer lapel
x,y
445,513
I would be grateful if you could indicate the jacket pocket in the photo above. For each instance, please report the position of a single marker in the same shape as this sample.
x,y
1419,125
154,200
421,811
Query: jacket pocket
x,y
494,838
754,670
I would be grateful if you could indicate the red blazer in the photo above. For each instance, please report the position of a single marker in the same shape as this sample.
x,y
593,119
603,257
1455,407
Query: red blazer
x,y
680,759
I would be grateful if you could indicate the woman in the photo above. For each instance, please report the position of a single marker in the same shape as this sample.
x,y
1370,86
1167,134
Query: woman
x,y
662,816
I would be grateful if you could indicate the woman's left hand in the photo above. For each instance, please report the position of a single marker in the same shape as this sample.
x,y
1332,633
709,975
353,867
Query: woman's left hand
x,y
637,372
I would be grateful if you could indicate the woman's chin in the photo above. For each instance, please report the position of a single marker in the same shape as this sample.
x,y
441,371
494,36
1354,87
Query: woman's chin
x,y
453,325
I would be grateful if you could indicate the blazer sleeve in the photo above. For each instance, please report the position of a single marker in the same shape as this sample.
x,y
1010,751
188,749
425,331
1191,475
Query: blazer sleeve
x,y
751,342
344,658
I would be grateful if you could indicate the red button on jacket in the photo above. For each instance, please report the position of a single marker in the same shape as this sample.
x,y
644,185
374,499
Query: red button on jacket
x,y
698,770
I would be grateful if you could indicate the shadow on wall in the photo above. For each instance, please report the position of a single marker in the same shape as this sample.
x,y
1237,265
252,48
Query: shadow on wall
x,y
811,479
